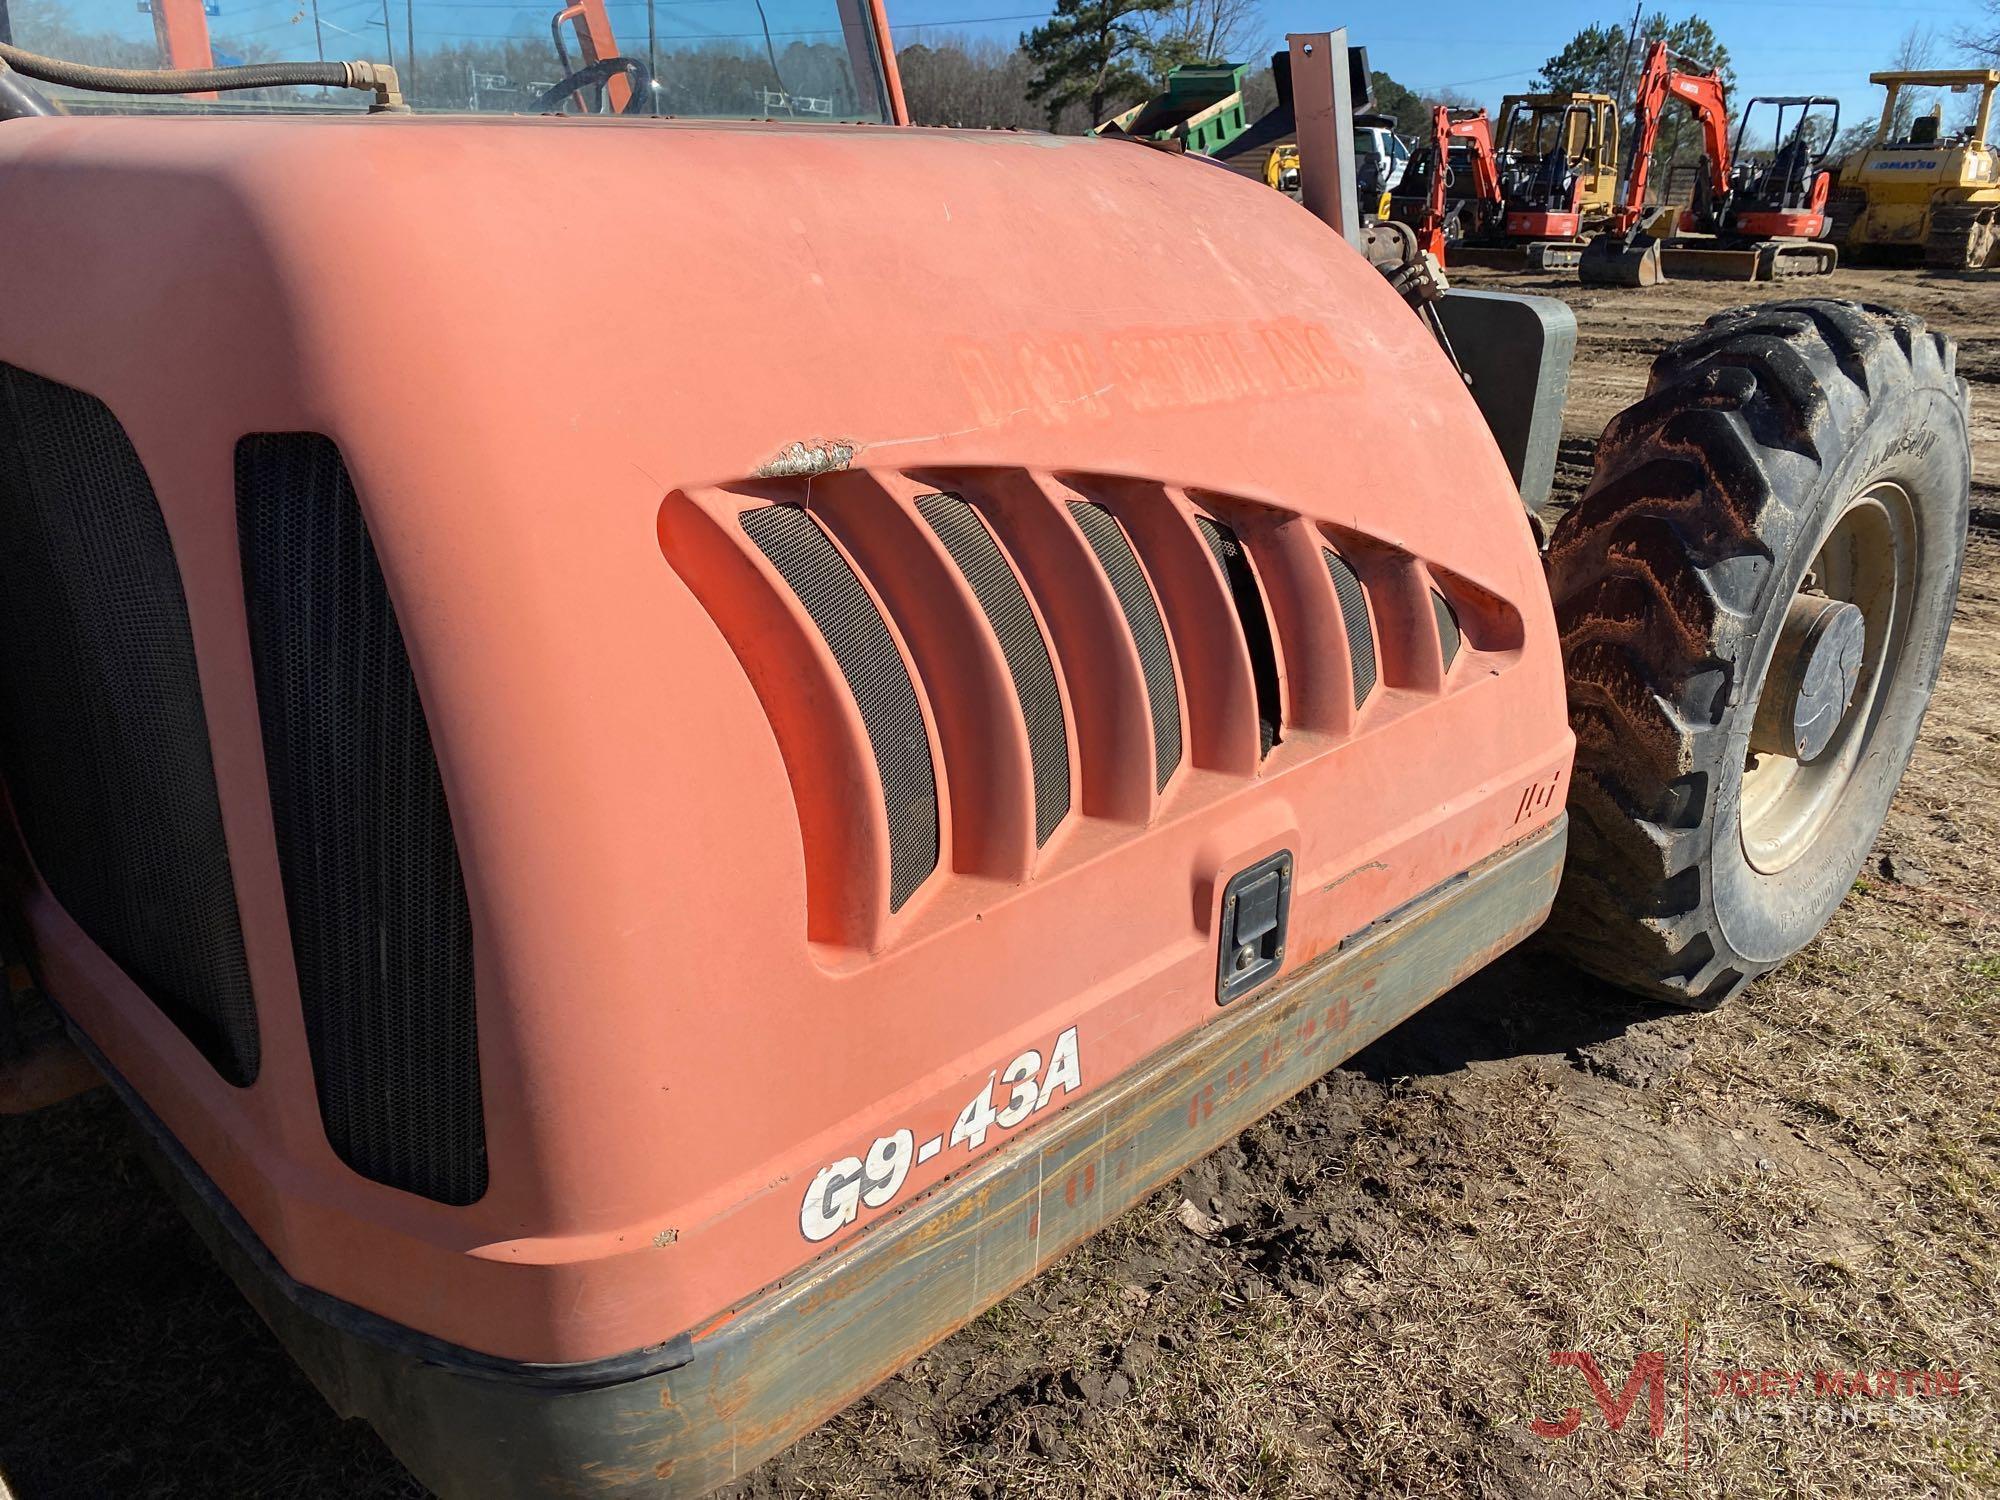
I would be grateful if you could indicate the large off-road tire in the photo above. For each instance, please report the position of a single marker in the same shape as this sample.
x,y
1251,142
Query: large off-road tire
x,y
1786,461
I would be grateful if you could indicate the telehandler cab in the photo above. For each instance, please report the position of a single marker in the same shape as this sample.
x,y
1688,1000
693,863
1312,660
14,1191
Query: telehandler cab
x,y
654,803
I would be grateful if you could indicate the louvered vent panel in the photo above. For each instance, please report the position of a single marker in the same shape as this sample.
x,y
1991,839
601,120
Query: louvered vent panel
x,y
1249,602
103,739
1006,608
381,930
1142,617
859,639
1354,618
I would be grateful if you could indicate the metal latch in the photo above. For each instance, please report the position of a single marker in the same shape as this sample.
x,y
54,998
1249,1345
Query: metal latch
x,y
1256,908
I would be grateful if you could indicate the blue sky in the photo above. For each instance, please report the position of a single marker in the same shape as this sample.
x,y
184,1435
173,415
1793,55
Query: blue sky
x,y
1777,46
1479,47
1488,49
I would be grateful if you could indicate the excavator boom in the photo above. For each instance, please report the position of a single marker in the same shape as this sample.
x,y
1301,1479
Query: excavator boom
x,y
1748,225
1660,82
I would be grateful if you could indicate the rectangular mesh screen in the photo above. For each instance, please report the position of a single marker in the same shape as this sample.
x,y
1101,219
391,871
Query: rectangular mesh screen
x,y
867,656
1142,617
1006,608
103,739
1249,602
1354,619
381,930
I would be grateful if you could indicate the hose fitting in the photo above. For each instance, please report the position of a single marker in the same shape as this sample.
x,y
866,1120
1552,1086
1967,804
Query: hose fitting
x,y
377,78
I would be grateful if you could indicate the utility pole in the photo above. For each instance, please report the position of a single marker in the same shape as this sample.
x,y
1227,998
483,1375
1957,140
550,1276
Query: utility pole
x,y
388,34
319,37
1625,68
410,37
1625,73
652,52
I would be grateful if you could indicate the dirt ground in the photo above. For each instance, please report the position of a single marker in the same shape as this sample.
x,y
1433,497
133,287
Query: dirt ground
x,y
1807,1181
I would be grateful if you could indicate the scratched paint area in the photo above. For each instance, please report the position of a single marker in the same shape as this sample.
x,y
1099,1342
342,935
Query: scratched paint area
x,y
1073,377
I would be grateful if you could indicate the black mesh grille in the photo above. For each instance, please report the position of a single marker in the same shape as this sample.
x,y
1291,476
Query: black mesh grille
x,y
1249,601
868,658
380,927
103,740
1142,617
1354,617
999,594
1447,627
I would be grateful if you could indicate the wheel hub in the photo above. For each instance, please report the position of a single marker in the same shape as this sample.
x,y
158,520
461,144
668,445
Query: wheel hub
x,y
1812,679
1839,642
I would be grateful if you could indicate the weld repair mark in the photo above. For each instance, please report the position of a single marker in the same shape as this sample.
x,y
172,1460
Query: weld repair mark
x,y
802,461
1373,864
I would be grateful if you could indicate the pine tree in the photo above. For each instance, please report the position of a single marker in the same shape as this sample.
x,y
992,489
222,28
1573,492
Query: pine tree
x,y
1091,52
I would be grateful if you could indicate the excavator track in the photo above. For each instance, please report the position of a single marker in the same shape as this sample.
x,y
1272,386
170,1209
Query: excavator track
x,y
1962,236
1789,258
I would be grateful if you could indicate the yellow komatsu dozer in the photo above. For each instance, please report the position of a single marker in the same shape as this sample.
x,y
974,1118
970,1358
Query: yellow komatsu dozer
x,y
1922,187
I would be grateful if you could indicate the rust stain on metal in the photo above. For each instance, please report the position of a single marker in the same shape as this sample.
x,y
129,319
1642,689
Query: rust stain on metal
x,y
803,460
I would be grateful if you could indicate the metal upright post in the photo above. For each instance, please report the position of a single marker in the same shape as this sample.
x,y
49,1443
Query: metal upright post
x,y
1323,105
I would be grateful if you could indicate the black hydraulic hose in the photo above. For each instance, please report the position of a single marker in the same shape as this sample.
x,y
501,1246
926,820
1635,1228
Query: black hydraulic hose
x,y
18,101
373,76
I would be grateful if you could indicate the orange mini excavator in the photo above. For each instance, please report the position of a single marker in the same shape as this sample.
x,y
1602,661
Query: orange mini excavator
x,y
1452,190
1524,195
1750,221
663,754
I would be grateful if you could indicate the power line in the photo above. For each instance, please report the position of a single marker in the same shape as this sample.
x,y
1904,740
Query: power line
x,y
1466,83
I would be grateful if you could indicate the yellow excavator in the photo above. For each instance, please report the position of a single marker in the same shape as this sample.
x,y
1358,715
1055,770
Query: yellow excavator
x,y
1551,179
1924,188
1583,126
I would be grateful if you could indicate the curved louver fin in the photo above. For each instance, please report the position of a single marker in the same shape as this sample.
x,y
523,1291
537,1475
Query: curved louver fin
x,y
1249,602
1005,606
1447,623
1142,617
867,656
1354,620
